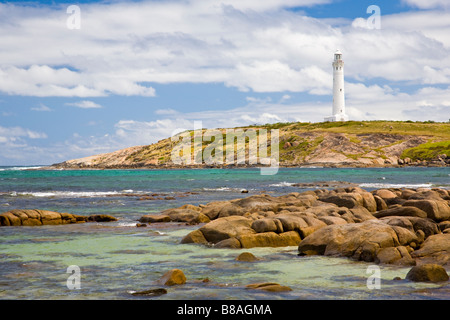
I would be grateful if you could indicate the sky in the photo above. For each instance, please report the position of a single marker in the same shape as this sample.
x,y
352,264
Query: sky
x,y
88,77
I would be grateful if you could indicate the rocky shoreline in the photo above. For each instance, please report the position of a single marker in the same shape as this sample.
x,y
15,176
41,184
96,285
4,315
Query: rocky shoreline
x,y
387,226
404,227
396,163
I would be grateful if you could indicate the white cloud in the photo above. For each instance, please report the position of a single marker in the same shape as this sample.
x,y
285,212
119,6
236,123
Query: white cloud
x,y
248,44
428,4
15,148
42,107
262,119
15,133
258,5
183,41
85,104
165,111
44,81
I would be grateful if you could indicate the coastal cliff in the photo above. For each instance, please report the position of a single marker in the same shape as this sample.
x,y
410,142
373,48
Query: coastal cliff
x,y
328,144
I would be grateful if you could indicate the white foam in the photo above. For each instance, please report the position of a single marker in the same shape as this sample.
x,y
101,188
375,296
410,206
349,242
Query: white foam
x,y
282,184
20,168
218,189
226,189
70,194
394,185
127,224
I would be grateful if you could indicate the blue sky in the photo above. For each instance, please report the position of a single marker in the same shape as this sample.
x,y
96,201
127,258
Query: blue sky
x,y
136,72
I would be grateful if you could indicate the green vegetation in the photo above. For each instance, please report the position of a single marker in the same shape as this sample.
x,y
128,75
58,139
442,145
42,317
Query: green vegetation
x,y
298,149
299,140
355,156
435,129
427,151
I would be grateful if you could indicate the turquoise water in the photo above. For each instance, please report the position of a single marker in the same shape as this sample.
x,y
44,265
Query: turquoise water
x,y
117,258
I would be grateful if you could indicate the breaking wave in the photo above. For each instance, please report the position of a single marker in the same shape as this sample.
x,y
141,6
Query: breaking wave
x,y
74,194
394,185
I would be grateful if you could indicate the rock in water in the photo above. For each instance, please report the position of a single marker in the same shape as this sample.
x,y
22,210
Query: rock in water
x,y
247,256
173,277
101,218
269,286
150,293
153,218
37,217
427,273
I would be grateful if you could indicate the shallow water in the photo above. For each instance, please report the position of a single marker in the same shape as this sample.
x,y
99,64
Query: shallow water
x,y
117,258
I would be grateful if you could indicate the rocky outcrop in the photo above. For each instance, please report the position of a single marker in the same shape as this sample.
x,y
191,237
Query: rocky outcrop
x,y
183,214
435,249
437,210
43,217
389,226
365,241
357,144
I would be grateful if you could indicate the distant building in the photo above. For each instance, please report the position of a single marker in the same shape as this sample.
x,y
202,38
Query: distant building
x,y
338,90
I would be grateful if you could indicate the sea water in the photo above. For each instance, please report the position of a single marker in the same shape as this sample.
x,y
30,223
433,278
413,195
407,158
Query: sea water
x,y
116,259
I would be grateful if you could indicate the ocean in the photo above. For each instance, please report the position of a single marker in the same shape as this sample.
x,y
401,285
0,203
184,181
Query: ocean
x,y
116,259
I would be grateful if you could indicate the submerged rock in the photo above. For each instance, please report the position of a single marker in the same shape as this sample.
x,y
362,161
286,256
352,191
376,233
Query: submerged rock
x,y
101,218
268,286
150,293
152,218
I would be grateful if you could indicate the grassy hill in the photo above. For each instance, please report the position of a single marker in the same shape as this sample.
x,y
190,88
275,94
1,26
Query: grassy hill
x,y
352,143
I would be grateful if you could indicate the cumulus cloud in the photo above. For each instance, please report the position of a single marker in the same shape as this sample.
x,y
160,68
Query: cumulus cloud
x,y
46,81
251,45
233,42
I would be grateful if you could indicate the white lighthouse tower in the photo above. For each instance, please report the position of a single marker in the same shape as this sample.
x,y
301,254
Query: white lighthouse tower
x,y
338,90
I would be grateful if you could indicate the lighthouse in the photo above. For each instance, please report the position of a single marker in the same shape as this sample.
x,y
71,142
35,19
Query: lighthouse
x,y
338,90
